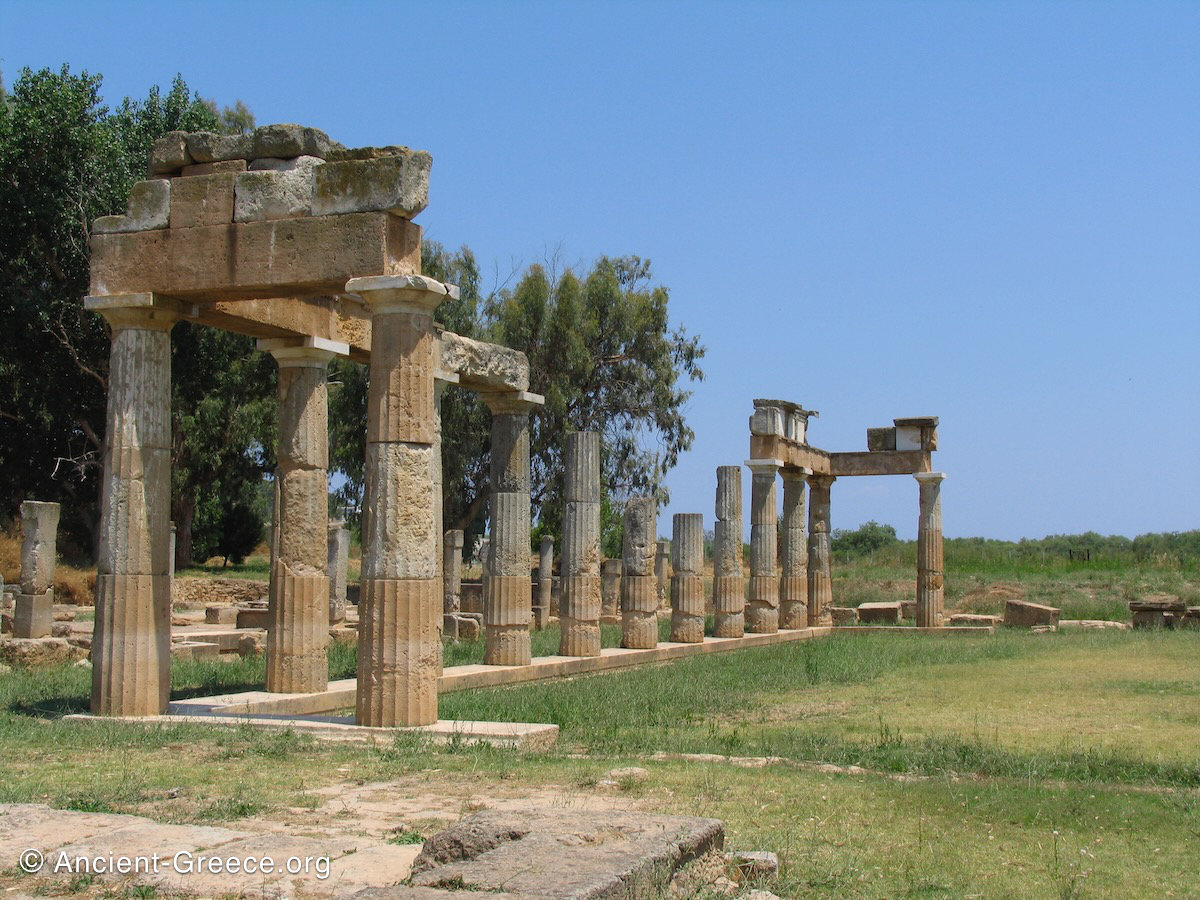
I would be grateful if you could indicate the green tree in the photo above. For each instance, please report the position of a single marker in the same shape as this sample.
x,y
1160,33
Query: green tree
x,y
864,540
65,160
601,351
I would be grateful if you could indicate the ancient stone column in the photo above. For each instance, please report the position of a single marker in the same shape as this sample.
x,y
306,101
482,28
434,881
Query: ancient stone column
x,y
171,562
820,553
399,652
662,574
131,644
793,584
506,582
930,570
687,584
729,589
579,603
298,614
762,598
610,591
452,547
33,607
545,588
639,588
338,563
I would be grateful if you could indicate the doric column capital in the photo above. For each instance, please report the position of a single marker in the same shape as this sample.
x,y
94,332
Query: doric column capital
x,y
149,312
924,478
303,351
796,473
511,402
821,482
401,293
769,467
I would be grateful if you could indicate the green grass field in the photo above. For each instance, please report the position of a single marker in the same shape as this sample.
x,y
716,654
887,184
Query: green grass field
x,y
875,765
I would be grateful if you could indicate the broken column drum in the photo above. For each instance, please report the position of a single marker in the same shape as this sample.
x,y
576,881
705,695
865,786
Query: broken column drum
x,y
131,645
33,606
339,566
579,606
506,583
687,585
820,552
662,574
930,568
762,598
729,590
298,616
639,587
793,582
452,547
399,657
610,591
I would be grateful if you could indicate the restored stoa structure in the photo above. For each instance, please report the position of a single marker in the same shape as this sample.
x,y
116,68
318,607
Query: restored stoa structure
x,y
309,246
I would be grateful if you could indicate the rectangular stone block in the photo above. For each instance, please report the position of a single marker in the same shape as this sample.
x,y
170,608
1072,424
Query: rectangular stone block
x,y
33,615
149,207
202,200
219,167
221,615
881,439
395,184
879,613
843,615
274,194
1021,614
253,618
255,259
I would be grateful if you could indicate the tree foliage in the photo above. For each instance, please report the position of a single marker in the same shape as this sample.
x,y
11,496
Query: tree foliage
x,y
864,540
65,160
601,350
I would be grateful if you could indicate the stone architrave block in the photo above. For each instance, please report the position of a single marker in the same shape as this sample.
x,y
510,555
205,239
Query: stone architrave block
x,y
284,193
1022,614
767,420
394,184
202,200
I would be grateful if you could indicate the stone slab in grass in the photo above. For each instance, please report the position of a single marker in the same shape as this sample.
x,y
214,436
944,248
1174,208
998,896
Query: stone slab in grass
x,y
973,619
879,613
1023,614
544,853
843,615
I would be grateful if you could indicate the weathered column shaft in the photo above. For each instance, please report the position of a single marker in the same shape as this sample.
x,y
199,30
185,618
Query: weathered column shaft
x,y
762,598
452,547
729,588
338,567
662,574
298,617
579,604
610,591
33,606
687,584
506,583
930,567
131,646
820,552
793,583
639,588
399,656
545,587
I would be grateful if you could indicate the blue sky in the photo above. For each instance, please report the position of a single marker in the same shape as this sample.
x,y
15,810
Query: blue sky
x,y
988,212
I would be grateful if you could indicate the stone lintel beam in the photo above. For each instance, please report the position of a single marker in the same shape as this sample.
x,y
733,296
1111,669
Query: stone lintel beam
x,y
316,351
879,462
482,366
267,259
509,402
791,454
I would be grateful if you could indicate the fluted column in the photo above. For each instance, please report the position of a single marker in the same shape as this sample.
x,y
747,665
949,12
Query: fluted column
x,y
762,598
579,604
399,648
820,552
298,612
930,568
507,587
338,562
545,588
452,547
639,586
793,583
131,646
729,587
687,585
